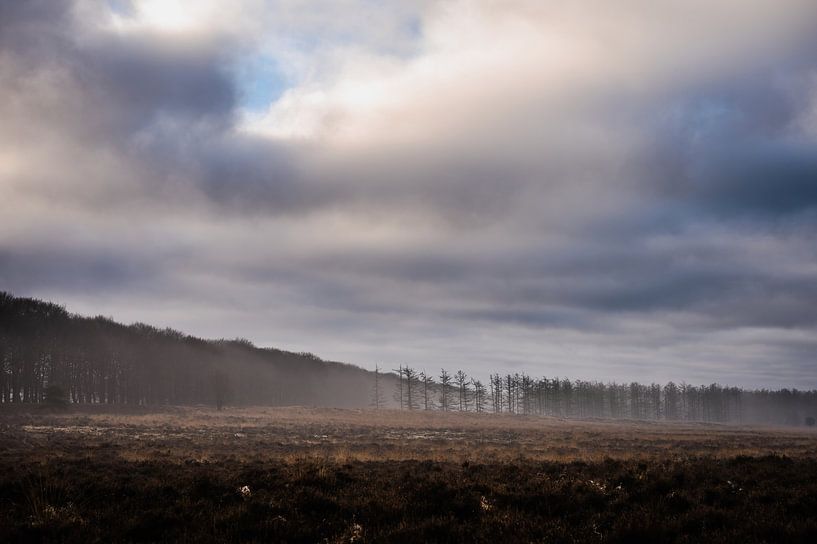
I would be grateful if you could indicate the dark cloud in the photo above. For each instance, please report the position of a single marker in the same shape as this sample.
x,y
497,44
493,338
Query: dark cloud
x,y
763,178
147,78
248,175
734,148
124,82
33,27
31,270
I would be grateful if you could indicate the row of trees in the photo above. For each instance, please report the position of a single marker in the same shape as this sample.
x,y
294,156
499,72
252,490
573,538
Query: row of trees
x,y
557,397
47,352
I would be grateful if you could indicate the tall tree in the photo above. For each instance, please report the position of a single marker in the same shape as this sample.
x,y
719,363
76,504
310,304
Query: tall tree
x,y
479,396
427,383
412,389
445,390
399,394
461,379
378,402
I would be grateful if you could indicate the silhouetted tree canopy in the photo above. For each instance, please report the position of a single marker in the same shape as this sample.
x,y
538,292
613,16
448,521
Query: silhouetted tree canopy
x,y
44,349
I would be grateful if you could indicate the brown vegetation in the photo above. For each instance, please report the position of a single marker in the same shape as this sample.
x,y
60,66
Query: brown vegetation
x,y
311,475
182,433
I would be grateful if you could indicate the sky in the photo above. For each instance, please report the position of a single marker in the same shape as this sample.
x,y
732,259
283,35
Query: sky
x,y
590,189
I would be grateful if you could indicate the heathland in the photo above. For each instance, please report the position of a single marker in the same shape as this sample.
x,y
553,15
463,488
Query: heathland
x,y
95,474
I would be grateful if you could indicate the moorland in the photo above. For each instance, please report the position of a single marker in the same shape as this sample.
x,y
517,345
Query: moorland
x,y
195,474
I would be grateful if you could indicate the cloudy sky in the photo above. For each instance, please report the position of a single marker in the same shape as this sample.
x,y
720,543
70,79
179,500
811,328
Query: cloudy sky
x,y
591,189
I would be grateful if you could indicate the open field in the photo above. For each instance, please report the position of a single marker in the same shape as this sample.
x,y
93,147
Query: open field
x,y
315,475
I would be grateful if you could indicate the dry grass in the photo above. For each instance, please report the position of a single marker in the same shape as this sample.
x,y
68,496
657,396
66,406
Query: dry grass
x,y
202,434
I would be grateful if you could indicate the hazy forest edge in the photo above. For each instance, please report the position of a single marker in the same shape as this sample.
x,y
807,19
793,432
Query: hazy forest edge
x,y
50,356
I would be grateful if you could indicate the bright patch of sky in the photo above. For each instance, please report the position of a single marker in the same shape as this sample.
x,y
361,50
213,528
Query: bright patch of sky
x,y
260,82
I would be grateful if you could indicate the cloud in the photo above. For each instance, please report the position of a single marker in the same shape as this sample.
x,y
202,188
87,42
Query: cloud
x,y
577,189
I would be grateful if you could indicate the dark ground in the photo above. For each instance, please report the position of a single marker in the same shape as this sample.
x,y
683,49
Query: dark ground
x,y
92,478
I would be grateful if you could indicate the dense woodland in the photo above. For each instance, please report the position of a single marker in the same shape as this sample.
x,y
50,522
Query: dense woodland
x,y
49,355
47,352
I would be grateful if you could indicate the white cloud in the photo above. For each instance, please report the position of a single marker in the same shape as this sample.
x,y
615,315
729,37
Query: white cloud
x,y
483,64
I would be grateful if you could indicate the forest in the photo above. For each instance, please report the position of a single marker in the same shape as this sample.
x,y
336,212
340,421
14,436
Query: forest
x,y
48,355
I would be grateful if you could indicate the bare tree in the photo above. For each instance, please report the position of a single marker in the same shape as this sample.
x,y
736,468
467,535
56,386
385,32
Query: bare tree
x,y
445,390
398,394
496,392
427,384
510,387
412,389
462,389
378,402
479,395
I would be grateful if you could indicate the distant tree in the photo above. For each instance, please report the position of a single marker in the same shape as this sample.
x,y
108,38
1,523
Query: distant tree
x,y
378,402
810,421
636,402
398,394
526,391
671,401
479,395
412,387
445,390
55,395
220,387
654,393
427,383
496,392
461,379
510,391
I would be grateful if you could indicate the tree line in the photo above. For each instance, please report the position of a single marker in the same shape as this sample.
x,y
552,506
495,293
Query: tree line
x,y
559,397
50,355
